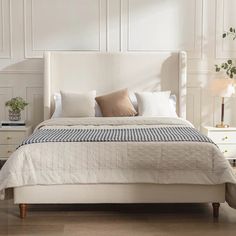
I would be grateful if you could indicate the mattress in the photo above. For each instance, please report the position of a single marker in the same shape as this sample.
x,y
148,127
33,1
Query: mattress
x,y
107,162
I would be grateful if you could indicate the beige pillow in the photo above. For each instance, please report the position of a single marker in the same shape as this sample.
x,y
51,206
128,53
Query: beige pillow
x,y
116,104
78,104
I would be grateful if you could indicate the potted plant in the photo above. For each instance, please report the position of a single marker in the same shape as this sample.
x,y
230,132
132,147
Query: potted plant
x,y
228,66
16,105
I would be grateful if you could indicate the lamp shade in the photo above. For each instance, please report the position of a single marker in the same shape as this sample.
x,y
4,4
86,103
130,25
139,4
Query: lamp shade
x,y
223,87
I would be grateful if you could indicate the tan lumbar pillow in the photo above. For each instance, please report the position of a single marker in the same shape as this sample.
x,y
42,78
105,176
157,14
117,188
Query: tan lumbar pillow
x,y
78,104
116,104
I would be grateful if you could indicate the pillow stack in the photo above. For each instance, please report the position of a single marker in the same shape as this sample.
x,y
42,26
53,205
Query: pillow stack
x,y
116,104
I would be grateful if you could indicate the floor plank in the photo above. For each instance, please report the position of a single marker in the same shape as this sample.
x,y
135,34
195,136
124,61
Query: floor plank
x,y
89,220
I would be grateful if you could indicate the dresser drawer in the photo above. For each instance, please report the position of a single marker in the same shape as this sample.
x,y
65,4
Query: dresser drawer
x,y
7,150
223,137
8,137
229,151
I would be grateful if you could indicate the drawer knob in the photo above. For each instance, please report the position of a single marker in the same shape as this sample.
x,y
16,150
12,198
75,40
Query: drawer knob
x,y
225,138
9,152
8,138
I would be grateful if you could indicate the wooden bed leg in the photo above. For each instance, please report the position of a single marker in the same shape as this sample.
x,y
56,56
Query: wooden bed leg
x,y
216,207
23,210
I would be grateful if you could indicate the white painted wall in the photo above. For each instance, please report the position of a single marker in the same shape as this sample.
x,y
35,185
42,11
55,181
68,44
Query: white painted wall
x,y
28,27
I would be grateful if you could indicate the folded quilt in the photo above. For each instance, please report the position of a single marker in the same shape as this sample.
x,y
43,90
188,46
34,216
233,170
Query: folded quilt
x,y
118,150
155,134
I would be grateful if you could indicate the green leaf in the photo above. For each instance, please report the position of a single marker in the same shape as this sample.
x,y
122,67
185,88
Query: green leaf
x,y
230,62
16,104
224,35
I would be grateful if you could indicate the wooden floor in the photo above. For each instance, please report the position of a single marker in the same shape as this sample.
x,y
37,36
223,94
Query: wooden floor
x,y
158,219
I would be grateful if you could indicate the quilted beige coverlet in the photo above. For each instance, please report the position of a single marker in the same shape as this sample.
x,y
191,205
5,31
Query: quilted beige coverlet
x,y
118,162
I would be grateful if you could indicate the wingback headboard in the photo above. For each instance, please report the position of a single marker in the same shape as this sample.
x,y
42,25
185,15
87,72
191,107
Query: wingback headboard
x,y
106,72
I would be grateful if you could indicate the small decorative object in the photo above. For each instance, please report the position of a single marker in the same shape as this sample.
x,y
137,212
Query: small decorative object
x,y
229,66
223,88
16,105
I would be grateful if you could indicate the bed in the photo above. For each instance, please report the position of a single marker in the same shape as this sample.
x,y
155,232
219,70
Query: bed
x,y
191,172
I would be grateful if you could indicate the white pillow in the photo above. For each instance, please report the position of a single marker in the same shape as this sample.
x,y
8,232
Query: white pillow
x,y
78,104
155,104
133,100
58,108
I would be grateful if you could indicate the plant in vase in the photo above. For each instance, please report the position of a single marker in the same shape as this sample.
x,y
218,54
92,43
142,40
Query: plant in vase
x,y
16,105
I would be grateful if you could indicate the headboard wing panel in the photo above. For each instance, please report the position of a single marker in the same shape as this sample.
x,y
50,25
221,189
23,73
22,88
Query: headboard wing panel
x,y
105,72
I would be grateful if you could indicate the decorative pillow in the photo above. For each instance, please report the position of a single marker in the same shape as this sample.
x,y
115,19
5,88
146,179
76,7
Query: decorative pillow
x,y
116,104
155,104
134,102
58,107
78,104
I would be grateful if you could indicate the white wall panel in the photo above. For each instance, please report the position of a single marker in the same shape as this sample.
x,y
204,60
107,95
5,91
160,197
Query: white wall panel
x,y
114,25
62,25
194,106
157,25
5,28
225,19
34,110
5,94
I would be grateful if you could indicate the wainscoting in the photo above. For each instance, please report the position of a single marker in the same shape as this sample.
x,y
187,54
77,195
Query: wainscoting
x,y
29,27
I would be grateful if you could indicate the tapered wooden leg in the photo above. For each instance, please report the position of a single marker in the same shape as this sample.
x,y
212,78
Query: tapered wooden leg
x,y
23,210
216,207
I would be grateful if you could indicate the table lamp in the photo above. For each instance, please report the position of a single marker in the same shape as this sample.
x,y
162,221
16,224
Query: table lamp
x,y
223,88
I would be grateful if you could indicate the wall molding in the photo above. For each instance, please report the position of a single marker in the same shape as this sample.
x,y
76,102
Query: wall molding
x,y
194,102
34,111
6,93
195,53
22,72
6,22
31,52
220,52
108,15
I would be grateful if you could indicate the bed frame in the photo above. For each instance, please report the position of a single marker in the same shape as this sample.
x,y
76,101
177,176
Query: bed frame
x,y
106,72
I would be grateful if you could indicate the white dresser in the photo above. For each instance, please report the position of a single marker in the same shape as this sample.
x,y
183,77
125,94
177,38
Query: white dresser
x,y
10,138
225,138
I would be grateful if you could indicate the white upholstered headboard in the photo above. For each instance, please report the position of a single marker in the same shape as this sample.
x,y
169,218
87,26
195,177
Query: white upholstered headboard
x,y
106,72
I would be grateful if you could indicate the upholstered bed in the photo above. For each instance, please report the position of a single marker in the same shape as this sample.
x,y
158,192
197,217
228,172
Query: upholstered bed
x,y
117,160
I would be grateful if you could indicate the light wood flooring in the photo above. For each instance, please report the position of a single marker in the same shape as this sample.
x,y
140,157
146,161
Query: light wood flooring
x,y
110,220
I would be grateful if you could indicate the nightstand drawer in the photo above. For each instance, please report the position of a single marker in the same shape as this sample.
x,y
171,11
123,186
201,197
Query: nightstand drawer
x,y
229,151
9,137
223,137
7,150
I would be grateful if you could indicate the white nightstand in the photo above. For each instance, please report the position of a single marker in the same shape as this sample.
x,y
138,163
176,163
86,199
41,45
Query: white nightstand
x,y
11,137
225,138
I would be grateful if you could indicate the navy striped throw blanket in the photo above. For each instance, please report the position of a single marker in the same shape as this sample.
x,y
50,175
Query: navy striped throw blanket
x,y
157,134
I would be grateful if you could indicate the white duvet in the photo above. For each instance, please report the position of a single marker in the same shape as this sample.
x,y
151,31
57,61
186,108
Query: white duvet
x,y
118,162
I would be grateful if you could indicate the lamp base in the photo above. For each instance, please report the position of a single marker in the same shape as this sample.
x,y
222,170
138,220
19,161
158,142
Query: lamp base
x,y
222,126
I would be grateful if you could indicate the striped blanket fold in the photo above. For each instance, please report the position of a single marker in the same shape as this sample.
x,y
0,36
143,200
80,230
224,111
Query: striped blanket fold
x,y
153,134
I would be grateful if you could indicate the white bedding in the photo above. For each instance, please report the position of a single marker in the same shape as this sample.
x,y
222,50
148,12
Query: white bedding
x,y
118,162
